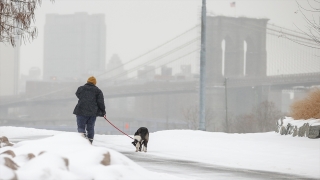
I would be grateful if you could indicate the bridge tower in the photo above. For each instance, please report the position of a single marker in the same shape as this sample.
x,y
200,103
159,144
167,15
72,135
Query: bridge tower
x,y
236,47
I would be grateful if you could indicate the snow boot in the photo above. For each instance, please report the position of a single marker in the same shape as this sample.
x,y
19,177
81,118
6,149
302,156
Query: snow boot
x,y
84,135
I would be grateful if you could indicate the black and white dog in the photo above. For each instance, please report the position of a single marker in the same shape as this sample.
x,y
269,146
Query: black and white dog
x,y
141,138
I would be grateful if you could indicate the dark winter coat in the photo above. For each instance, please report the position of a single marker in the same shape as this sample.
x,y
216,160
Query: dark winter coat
x,y
91,101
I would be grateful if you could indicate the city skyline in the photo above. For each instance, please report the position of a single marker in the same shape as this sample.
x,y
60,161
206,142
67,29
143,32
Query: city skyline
x,y
131,22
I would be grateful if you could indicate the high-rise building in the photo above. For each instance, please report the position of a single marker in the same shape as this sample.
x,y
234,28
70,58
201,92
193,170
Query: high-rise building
x,y
115,69
9,69
74,46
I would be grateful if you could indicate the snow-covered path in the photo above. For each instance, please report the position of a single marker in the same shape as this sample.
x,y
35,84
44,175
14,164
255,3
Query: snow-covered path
x,y
200,171
187,154
257,152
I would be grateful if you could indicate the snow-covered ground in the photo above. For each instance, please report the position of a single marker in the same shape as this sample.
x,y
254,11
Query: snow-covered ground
x,y
256,151
84,160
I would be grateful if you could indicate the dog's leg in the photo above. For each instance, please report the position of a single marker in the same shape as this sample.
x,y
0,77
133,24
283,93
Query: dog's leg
x,y
141,144
145,144
138,146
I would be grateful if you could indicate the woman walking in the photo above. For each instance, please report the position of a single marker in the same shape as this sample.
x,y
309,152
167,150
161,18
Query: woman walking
x,y
90,105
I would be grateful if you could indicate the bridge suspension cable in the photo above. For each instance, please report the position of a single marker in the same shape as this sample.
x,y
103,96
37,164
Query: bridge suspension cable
x,y
152,50
133,60
159,66
291,52
288,51
156,59
302,38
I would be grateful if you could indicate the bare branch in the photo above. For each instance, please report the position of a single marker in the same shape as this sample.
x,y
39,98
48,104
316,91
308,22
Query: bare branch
x,y
16,17
312,6
309,10
313,28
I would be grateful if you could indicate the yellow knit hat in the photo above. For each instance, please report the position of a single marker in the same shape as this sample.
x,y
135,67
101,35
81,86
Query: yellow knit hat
x,y
92,80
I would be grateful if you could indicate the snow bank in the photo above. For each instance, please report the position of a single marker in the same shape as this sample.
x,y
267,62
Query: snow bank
x,y
66,156
298,123
301,128
20,133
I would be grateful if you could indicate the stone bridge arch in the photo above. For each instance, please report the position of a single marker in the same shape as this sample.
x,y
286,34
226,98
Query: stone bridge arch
x,y
235,32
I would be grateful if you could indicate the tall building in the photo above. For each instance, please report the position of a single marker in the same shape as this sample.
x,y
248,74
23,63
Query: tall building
x,y
115,69
9,69
74,46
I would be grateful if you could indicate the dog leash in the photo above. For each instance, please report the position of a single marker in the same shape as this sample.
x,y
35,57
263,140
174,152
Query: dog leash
x,y
116,127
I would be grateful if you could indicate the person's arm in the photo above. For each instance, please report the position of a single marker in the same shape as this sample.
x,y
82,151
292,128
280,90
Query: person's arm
x,y
78,92
100,102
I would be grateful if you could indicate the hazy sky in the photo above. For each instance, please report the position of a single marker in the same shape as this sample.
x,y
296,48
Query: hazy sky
x,y
136,26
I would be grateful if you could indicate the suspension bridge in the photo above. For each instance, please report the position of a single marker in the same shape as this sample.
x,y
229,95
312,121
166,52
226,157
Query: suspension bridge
x,y
247,60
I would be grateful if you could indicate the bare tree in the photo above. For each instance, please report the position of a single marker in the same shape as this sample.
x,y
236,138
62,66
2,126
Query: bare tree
x,y
313,27
191,116
16,17
246,123
266,114
262,119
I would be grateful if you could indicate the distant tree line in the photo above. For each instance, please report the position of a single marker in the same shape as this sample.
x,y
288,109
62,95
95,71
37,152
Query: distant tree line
x,y
262,118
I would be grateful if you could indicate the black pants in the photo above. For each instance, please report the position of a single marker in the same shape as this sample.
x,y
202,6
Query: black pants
x,y
86,125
